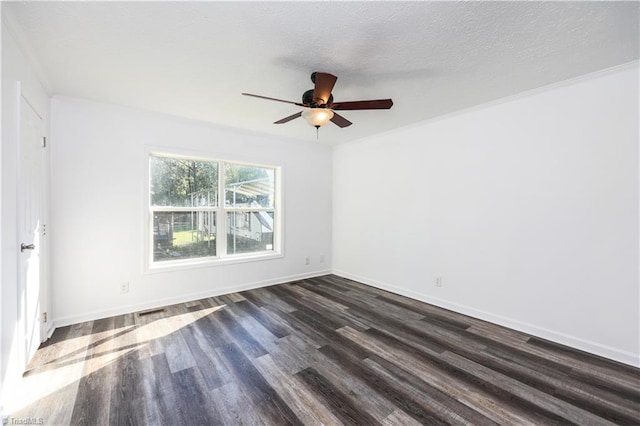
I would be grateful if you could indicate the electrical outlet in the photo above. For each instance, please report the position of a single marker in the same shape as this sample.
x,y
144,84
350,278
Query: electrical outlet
x,y
124,288
307,261
438,282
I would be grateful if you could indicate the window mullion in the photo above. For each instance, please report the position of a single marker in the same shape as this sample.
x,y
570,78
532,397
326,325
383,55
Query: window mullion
x,y
221,227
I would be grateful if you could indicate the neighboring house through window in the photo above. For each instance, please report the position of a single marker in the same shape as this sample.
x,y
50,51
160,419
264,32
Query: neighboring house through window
x,y
203,210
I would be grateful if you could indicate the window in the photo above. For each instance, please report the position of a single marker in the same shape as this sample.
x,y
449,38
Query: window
x,y
202,210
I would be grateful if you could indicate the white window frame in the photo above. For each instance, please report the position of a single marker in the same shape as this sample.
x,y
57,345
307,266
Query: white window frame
x,y
220,210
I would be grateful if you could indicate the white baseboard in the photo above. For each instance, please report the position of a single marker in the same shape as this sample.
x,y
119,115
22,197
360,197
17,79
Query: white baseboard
x,y
532,329
157,303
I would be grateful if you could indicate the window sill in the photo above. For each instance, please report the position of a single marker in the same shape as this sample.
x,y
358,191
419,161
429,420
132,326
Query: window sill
x,y
178,265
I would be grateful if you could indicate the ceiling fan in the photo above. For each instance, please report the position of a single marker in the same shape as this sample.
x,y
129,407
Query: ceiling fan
x,y
320,104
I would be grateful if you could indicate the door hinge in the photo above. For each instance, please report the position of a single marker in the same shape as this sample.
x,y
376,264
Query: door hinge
x,y
44,141
45,317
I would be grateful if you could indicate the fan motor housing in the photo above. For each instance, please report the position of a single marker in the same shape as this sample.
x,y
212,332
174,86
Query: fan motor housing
x,y
307,99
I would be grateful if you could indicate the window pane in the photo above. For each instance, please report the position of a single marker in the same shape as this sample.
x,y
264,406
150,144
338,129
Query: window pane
x,y
249,186
179,182
183,235
250,231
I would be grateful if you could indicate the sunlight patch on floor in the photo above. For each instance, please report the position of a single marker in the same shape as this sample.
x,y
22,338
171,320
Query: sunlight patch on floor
x,y
50,370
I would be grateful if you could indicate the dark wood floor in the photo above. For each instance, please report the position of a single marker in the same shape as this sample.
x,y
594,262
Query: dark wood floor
x,y
321,351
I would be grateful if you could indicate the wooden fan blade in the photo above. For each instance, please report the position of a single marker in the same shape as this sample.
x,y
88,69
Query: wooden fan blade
x,y
340,121
352,105
324,86
272,99
289,118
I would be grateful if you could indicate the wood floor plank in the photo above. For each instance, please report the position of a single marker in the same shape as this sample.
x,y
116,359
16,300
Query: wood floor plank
x,y
427,314
306,406
419,307
340,403
126,382
295,354
125,389
192,399
261,335
232,407
391,391
448,407
608,385
236,297
466,393
289,357
356,316
238,334
301,291
160,399
274,325
361,393
611,406
371,304
94,390
208,364
147,407
300,327
498,334
253,384
268,298
533,396
488,388
324,350
337,314
416,330
617,373
399,418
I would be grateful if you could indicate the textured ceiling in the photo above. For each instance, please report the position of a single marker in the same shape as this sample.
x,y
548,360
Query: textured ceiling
x,y
193,59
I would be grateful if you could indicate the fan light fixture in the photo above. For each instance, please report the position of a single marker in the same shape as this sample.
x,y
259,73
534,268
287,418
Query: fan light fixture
x,y
317,117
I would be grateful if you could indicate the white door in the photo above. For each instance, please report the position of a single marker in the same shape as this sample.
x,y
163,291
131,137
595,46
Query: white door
x,y
30,227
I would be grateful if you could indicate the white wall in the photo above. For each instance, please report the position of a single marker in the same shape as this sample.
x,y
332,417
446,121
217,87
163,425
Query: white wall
x,y
527,209
17,77
98,209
